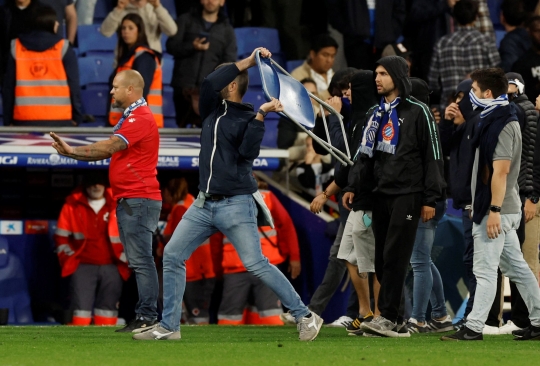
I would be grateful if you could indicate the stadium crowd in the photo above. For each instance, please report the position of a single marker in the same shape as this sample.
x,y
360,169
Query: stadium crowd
x,y
437,64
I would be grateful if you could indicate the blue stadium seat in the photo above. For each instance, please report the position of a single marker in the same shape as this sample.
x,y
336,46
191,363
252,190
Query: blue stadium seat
x,y
271,130
167,65
291,65
170,6
91,41
248,39
499,35
168,103
170,123
95,69
102,9
254,96
95,98
13,286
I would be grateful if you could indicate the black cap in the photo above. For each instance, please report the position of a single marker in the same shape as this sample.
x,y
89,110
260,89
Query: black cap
x,y
516,79
464,87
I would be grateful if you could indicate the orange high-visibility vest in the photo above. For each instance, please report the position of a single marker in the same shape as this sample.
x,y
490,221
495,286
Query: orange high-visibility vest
x,y
41,88
154,99
268,237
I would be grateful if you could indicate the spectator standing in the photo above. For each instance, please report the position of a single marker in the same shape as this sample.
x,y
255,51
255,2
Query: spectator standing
x,y
204,40
200,276
516,41
458,54
89,249
402,138
134,54
66,16
367,27
528,65
156,20
133,150
41,87
497,206
318,66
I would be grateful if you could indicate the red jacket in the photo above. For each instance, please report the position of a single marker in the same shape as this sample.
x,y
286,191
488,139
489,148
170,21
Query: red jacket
x,y
276,244
71,232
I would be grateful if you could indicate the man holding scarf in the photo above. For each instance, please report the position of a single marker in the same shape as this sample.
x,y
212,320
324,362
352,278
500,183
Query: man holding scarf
x,y
402,138
497,206
133,150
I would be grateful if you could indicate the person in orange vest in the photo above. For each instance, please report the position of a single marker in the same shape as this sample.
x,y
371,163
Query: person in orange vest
x,y
89,250
134,54
239,284
41,86
200,276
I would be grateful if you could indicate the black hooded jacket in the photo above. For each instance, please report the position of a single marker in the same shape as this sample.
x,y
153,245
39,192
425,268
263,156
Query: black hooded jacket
x,y
417,165
456,141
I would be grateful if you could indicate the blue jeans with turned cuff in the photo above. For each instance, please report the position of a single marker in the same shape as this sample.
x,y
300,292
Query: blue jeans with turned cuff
x,y
428,284
236,218
136,230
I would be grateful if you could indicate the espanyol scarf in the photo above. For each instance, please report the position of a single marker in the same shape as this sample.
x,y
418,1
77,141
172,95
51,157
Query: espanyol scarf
x,y
489,105
138,103
384,125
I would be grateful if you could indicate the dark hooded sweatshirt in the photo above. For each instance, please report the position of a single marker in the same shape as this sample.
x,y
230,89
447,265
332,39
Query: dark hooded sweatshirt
x,y
41,41
417,165
457,144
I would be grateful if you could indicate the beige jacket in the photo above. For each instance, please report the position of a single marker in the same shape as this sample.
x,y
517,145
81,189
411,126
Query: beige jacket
x,y
305,71
156,21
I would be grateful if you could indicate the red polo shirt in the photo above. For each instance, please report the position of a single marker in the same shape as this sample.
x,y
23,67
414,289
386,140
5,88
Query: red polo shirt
x,y
132,172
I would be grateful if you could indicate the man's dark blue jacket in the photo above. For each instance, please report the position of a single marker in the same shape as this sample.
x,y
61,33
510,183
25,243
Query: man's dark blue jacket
x,y
230,138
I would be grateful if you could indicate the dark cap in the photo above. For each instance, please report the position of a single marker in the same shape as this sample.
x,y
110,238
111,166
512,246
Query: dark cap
x,y
464,87
517,80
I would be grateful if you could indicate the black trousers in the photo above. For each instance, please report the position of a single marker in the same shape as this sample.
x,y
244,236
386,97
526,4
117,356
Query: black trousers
x,y
395,222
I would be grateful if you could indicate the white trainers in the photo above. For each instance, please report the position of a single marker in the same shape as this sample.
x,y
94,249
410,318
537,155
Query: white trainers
x,y
157,333
308,328
489,330
341,322
508,328
287,318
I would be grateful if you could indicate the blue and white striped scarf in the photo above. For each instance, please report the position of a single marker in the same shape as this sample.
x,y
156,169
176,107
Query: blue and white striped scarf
x,y
384,125
138,103
489,105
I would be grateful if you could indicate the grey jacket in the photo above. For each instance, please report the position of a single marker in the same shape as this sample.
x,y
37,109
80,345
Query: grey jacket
x,y
192,66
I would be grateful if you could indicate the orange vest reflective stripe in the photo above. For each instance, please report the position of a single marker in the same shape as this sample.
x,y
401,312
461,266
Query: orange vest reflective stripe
x,y
268,238
41,88
154,98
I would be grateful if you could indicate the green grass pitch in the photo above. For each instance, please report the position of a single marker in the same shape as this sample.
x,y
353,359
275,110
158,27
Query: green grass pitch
x,y
250,345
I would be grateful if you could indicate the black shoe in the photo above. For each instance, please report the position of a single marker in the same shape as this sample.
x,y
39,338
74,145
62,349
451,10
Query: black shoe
x,y
531,333
354,327
137,325
465,334
440,326
460,324
520,332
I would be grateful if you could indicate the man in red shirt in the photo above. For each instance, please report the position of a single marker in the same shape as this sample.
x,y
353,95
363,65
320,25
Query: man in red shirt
x,y
133,150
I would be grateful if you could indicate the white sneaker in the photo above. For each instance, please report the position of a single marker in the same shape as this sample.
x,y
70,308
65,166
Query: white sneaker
x,y
287,318
489,330
508,328
341,322
308,328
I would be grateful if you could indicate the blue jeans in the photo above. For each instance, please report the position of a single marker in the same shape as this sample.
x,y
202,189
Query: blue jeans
x,y
428,284
136,232
503,252
85,11
235,217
